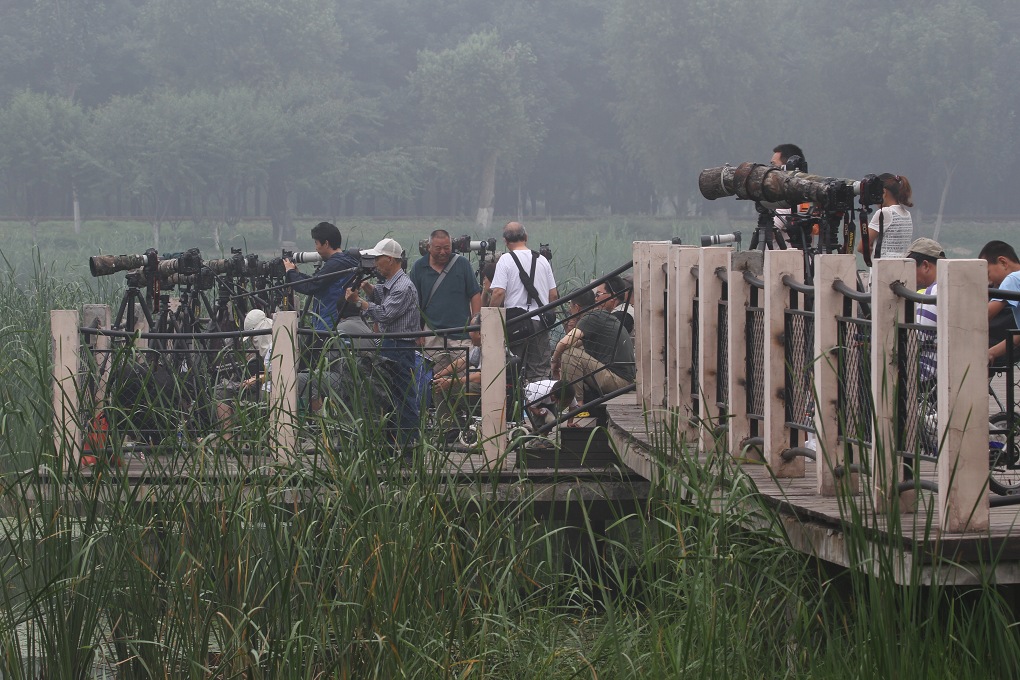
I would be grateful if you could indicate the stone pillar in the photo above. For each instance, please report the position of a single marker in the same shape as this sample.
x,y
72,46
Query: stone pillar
x,y
64,347
710,290
778,263
493,425
283,395
828,306
886,312
963,395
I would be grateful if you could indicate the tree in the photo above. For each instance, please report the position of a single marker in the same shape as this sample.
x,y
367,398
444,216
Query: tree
x,y
214,44
479,106
42,151
694,87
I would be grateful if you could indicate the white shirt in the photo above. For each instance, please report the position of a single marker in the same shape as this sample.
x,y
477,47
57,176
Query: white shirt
x,y
897,230
508,278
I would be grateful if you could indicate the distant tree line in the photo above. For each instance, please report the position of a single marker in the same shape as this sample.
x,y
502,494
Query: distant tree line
x,y
216,110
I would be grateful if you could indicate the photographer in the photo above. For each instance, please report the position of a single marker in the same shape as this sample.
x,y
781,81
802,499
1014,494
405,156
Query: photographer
x,y
781,155
891,228
448,293
510,290
393,304
327,291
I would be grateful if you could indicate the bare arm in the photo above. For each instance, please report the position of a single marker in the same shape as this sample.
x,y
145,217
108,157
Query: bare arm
x,y
994,307
498,296
476,303
554,294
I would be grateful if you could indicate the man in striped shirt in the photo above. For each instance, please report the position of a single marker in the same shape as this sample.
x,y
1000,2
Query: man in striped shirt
x,y
926,253
393,304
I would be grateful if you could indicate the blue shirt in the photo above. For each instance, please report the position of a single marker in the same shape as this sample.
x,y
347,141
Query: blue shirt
x,y
326,292
1012,283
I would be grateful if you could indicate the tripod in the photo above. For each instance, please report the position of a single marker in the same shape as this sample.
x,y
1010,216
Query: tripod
x,y
766,236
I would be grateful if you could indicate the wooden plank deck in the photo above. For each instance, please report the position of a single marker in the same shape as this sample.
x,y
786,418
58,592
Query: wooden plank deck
x,y
540,480
818,525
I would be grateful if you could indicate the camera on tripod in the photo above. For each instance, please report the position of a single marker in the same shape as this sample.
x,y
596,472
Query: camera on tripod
x,y
783,188
235,265
187,262
105,265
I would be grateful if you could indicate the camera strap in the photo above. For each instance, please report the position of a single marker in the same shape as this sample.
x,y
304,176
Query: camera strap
x,y
442,275
528,281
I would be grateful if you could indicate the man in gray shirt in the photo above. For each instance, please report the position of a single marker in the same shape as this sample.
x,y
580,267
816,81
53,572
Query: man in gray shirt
x,y
393,305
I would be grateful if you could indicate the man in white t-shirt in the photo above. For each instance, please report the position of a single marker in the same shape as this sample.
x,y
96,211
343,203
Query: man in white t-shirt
x,y
508,290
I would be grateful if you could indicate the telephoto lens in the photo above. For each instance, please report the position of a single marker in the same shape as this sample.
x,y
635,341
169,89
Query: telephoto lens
x,y
104,265
309,256
720,239
783,189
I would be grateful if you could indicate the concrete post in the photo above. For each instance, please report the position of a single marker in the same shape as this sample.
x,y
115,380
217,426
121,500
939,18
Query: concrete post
x,y
64,347
963,395
828,306
283,395
886,312
710,291
778,263
493,425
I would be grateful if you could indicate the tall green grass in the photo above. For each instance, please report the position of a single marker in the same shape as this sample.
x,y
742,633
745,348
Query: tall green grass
x,y
223,562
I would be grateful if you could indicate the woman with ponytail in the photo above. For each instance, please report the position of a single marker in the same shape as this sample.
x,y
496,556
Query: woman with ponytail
x,y
891,229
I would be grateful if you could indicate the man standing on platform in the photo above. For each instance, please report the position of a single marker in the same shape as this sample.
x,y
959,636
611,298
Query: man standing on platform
x,y
510,290
328,284
448,295
393,304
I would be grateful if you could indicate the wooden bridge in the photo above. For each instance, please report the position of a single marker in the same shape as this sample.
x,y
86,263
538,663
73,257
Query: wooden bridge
x,y
808,388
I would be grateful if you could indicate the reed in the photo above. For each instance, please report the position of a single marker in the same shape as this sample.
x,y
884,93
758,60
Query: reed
x,y
226,563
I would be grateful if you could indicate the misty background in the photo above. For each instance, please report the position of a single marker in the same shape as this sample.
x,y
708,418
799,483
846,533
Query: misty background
x,y
222,110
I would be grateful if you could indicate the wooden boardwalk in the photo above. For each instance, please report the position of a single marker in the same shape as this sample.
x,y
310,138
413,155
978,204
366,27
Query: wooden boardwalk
x,y
541,480
818,525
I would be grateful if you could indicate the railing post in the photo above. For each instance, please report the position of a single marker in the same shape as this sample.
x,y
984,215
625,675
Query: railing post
x,y
886,312
283,394
962,395
681,338
739,297
658,259
710,290
641,302
828,306
64,348
493,425
101,317
778,264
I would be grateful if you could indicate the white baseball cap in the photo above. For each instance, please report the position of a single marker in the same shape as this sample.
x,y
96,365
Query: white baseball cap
x,y
387,247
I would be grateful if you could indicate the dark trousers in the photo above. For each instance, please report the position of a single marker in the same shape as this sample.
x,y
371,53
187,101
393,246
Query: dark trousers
x,y
403,387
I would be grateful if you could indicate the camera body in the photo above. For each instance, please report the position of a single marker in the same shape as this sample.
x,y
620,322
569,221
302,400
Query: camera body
x,y
234,265
187,262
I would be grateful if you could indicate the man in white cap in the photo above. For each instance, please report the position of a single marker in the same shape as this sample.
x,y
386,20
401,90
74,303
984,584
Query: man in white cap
x,y
393,304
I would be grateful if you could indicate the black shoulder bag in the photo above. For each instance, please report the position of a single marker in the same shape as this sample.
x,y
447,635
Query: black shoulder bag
x,y
548,319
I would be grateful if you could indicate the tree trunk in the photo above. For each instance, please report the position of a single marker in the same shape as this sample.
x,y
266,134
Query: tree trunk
x,y
155,234
77,209
487,192
276,203
950,169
